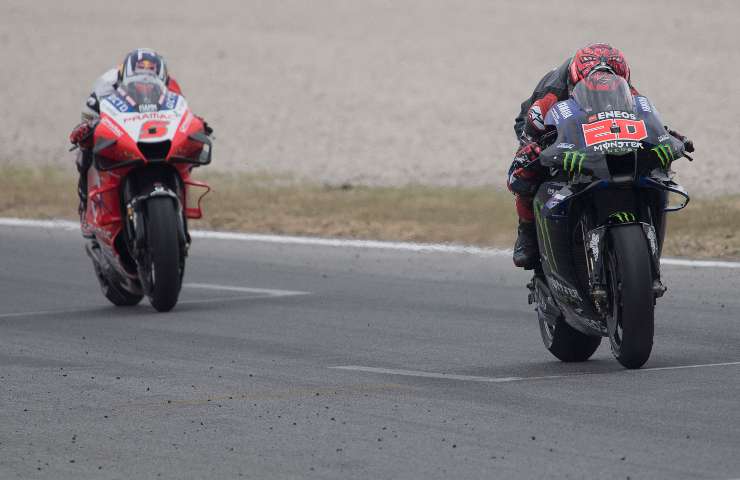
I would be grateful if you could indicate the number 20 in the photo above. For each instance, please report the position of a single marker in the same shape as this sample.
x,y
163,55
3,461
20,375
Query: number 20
x,y
601,131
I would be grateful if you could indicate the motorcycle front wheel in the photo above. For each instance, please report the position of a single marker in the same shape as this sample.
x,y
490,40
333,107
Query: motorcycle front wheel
x,y
630,284
164,253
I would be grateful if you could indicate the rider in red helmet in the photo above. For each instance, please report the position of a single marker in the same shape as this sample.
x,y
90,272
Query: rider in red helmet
x,y
525,174
142,61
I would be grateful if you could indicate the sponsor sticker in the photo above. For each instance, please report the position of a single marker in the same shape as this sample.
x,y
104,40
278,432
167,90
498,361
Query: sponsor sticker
x,y
170,100
149,116
565,110
618,145
118,103
644,104
564,290
616,114
665,154
594,244
111,126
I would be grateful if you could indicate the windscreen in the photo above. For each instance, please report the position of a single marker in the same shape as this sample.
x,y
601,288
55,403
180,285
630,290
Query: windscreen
x,y
603,92
602,119
144,89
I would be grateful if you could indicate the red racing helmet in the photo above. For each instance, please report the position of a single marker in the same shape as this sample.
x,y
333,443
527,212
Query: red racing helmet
x,y
596,55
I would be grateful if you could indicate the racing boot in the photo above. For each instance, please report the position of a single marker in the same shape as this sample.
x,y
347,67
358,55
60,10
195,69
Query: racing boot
x,y
84,161
526,249
82,208
82,195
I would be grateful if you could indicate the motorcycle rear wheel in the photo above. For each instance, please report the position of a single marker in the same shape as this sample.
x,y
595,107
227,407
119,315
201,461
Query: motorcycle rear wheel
x,y
164,253
112,289
632,318
565,342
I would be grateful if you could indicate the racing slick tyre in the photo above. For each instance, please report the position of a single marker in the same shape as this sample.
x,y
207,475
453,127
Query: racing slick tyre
x,y
112,289
114,292
567,343
631,319
164,253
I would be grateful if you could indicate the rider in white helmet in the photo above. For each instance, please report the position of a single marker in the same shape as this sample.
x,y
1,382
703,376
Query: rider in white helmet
x,y
142,61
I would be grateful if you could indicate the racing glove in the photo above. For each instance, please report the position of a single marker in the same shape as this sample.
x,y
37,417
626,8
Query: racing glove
x,y
528,153
82,135
687,144
525,173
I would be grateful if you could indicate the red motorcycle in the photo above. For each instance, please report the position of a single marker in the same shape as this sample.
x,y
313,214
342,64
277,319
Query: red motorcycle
x,y
141,194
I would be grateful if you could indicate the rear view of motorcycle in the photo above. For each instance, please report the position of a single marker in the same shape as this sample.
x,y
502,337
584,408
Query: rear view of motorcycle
x,y
601,222
139,192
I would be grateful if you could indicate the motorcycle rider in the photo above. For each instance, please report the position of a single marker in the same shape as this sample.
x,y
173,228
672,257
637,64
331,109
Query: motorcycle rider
x,y
525,174
137,62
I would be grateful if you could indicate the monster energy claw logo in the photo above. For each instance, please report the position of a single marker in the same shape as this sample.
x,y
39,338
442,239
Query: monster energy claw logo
x,y
665,154
573,162
623,217
545,231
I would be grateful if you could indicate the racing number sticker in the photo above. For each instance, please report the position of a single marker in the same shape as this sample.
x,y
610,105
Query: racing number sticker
x,y
153,129
604,131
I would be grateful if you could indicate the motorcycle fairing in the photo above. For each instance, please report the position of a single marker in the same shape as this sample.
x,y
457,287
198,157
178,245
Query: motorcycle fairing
x,y
119,138
146,127
119,102
581,149
123,135
555,228
553,235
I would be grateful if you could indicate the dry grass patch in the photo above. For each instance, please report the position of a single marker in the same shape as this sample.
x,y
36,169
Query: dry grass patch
x,y
415,213
264,204
706,228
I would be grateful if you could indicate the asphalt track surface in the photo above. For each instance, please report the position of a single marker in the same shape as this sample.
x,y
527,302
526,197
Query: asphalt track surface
x,y
444,374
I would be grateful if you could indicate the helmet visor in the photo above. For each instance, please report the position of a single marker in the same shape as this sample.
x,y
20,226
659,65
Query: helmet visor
x,y
144,88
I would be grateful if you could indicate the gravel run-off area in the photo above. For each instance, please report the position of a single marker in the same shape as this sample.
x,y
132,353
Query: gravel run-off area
x,y
369,92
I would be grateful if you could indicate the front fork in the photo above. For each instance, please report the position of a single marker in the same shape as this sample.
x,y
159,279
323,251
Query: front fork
x,y
596,250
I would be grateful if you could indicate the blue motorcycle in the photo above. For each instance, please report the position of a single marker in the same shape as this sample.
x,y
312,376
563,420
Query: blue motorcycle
x,y
601,221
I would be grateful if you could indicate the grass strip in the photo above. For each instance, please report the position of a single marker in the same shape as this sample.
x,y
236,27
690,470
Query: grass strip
x,y
707,228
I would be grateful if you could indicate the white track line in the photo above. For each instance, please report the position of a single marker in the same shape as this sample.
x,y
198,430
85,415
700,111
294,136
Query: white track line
x,y
415,373
23,222
473,378
682,367
258,293
680,262
264,291
40,313
337,242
